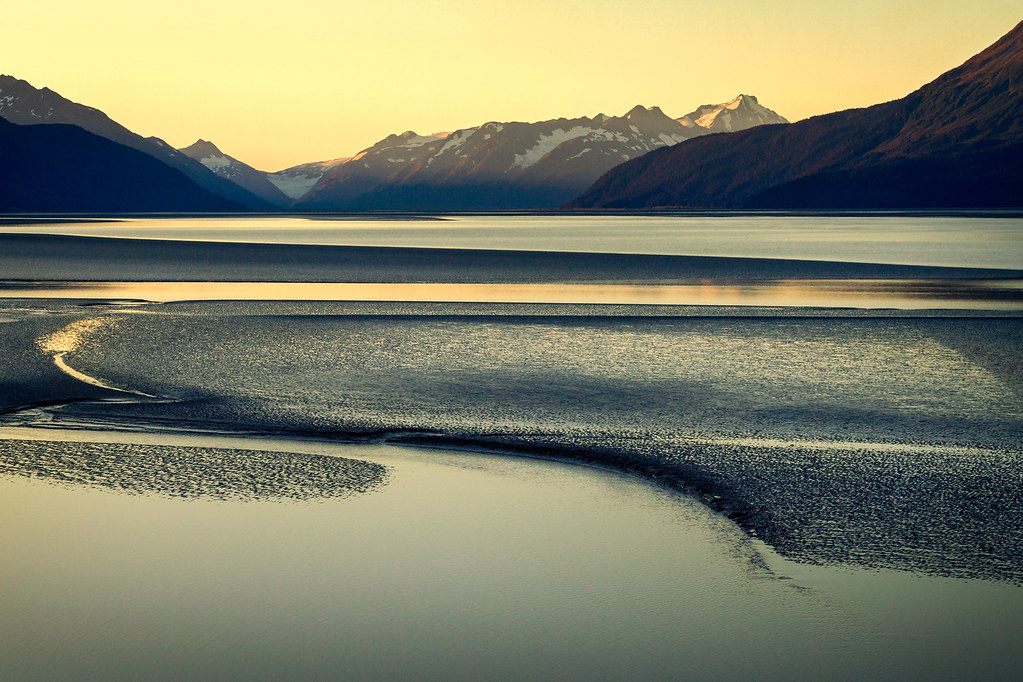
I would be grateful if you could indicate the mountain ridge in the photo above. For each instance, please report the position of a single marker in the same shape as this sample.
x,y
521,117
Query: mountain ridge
x,y
65,168
23,104
960,133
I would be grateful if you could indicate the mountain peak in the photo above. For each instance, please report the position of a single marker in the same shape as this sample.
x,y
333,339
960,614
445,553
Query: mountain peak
x,y
744,111
6,79
652,119
740,101
640,111
235,171
201,148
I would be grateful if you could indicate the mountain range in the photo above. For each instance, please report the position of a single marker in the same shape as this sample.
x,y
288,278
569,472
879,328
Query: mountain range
x,y
956,142
513,165
493,166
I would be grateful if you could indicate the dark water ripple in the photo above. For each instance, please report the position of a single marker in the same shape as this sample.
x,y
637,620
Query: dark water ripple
x,y
191,472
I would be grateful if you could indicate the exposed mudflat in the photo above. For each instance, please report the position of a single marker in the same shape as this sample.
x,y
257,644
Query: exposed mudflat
x,y
190,472
884,440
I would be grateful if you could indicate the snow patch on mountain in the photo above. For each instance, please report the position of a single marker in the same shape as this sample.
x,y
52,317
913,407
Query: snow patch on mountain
x,y
738,114
293,186
413,140
457,139
296,181
548,143
217,163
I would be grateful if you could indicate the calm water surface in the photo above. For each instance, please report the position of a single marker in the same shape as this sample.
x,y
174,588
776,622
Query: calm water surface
x,y
461,566
984,241
874,442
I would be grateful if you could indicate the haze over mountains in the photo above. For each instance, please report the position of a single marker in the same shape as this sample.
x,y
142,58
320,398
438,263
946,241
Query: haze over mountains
x,y
955,142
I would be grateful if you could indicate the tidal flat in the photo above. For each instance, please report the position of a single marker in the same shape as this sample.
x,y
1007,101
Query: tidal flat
x,y
272,488
878,441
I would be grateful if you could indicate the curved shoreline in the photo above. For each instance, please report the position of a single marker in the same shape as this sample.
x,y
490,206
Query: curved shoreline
x,y
666,474
58,360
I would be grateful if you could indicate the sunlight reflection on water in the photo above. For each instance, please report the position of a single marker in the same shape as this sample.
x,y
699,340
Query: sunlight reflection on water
x,y
906,294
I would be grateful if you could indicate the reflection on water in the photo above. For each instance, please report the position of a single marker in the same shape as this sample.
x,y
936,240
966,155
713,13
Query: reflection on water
x,y
906,294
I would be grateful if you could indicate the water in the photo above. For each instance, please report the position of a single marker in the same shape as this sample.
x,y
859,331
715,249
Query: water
x,y
1004,295
963,240
457,566
812,491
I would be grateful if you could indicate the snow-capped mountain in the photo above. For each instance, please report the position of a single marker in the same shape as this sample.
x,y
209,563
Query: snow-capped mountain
x,y
23,104
509,165
237,172
741,113
297,180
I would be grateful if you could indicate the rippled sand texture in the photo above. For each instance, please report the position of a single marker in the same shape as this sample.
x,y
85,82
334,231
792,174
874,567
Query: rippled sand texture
x,y
877,441
191,472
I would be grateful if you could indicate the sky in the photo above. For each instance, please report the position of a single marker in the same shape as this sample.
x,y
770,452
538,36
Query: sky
x,y
276,84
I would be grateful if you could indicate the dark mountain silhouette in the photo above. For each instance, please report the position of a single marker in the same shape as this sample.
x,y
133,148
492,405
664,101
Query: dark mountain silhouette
x,y
956,142
24,104
63,168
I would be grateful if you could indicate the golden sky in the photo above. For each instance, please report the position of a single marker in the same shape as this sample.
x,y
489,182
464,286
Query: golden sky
x,y
280,83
